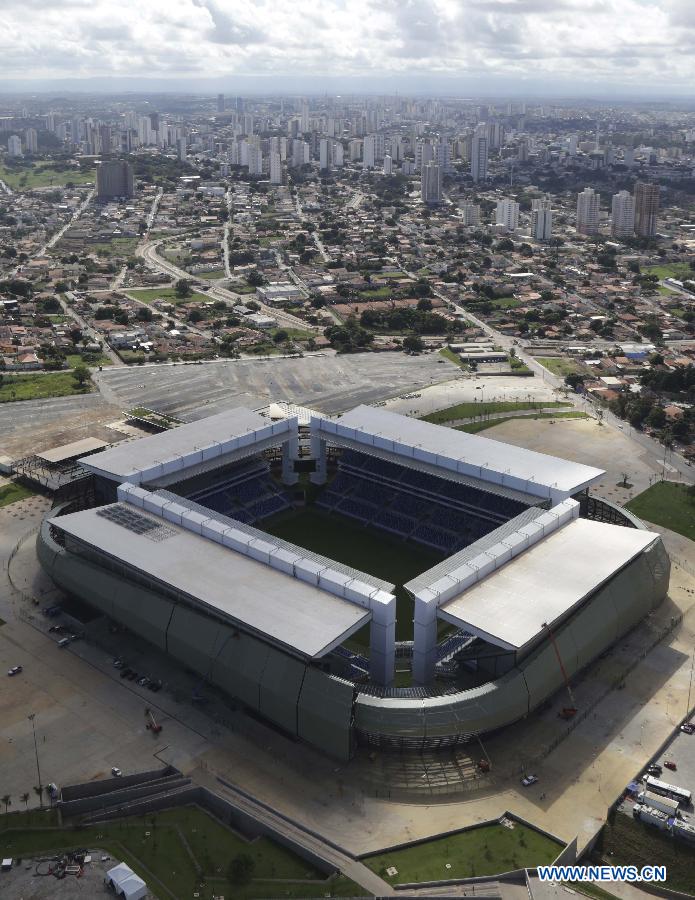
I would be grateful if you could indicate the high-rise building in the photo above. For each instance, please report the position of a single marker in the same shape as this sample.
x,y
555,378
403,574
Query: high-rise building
x,y
325,154
275,167
114,179
646,208
255,161
507,213
588,206
304,118
220,103
541,219
479,153
623,214
31,139
431,183
470,213
247,123
369,151
181,149
14,145
388,165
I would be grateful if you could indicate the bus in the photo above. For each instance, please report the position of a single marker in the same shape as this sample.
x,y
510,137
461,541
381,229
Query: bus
x,y
668,790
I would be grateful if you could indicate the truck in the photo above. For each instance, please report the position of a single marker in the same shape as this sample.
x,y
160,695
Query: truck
x,y
650,816
664,804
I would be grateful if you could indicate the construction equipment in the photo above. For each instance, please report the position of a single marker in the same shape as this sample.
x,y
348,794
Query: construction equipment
x,y
567,712
152,723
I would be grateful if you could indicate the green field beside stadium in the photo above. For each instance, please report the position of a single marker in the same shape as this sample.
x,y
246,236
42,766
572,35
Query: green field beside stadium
x,y
367,549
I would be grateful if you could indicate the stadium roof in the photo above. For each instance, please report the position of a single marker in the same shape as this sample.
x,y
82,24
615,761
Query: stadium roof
x,y
148,455
291,613
481,457
540,586
71,451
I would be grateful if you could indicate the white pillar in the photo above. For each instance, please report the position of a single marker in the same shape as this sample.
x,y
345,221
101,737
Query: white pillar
x,y
424,637
382,638
290,452
318,452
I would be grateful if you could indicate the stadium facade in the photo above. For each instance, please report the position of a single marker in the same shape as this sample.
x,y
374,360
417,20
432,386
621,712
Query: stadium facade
x,y
530,586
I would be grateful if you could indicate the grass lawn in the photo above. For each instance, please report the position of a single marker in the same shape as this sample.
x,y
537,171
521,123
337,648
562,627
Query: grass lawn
x,y
378,293
453,357
484,424
488,850
156,842
241,287
681,271
560,365
39,387
74,359
368,549
630,842
40,175
505,303
10,493
212,276
669,504
149,295
470,410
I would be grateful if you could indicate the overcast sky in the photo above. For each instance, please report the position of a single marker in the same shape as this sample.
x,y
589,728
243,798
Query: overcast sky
x,y
552,46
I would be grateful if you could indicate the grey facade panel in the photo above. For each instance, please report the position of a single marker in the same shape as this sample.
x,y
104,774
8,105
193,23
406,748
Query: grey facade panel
x,y
144,612
281,684
194,639
324,713
238,667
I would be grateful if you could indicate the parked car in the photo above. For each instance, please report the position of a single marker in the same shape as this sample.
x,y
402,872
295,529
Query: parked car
x,y
144,681
118,664
116,772
654,770
528,780
15,670
155,685
63,642
132,675
688,728
670,765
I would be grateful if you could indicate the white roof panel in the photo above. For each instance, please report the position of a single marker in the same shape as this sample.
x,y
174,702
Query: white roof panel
x,y
72,450
131,457
511,605
297,615
496,462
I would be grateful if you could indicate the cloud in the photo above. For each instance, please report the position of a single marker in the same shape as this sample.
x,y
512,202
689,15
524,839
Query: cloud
x,y
628,42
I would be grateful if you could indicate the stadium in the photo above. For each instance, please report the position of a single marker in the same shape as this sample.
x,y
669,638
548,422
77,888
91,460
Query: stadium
x,y
365,579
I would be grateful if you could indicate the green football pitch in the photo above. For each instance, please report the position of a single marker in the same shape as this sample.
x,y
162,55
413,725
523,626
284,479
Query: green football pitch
x,y
368,549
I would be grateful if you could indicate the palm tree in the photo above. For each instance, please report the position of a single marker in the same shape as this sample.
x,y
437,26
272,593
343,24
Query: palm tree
x,y
25,799
7,800
39,793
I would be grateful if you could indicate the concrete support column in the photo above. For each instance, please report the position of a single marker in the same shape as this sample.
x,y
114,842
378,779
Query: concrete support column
x,y
424,637
382,639
318,452
290,452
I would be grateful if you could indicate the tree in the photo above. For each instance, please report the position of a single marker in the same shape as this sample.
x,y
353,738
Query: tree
x,y
182,288
195,315
255,279
240,870
38,790
7,800
424,304
413,344
81,374
280,336
25,799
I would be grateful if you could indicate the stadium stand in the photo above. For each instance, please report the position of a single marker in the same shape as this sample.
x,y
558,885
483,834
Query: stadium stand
x,y
444,515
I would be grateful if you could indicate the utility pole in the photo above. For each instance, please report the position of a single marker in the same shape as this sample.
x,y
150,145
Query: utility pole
x,y
31,718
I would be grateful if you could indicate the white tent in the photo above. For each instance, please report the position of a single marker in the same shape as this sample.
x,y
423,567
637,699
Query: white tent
x,y
126,883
